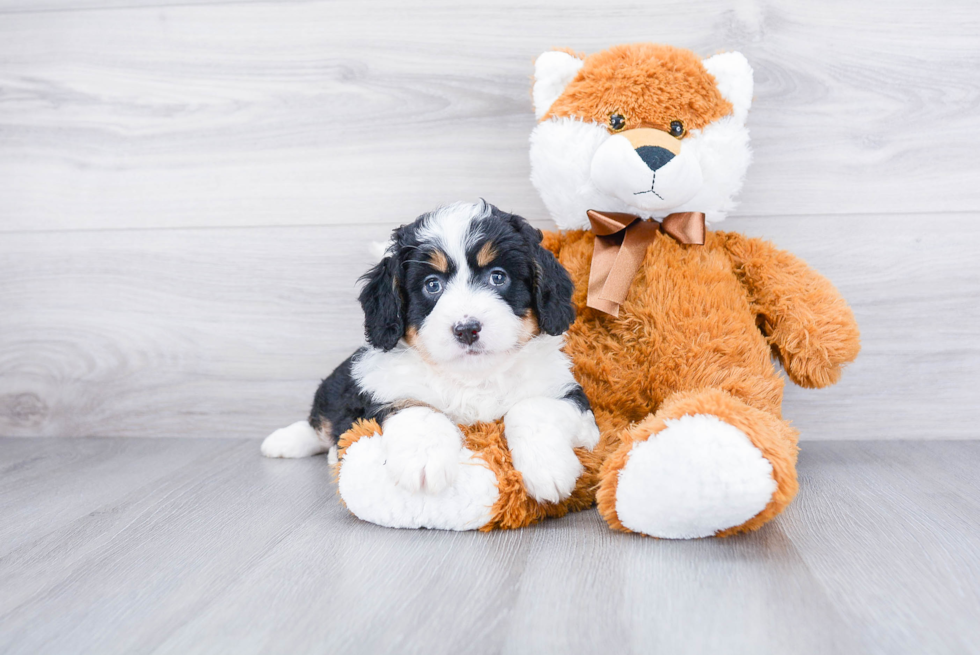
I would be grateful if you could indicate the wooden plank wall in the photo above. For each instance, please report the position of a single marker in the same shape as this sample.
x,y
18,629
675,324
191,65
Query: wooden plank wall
x,y
187,189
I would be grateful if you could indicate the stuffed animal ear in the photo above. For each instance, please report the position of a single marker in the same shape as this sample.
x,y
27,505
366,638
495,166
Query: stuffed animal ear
x,y
552,73
734,76
381,300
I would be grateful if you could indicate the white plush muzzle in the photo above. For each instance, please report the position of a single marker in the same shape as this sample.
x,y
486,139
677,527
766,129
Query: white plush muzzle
x,y
618,170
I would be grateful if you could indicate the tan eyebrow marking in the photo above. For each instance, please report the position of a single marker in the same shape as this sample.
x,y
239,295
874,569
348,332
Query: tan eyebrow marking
x,y
438,261
487,254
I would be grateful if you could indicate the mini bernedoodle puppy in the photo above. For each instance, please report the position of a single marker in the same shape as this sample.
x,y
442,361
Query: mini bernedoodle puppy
x,y
464,319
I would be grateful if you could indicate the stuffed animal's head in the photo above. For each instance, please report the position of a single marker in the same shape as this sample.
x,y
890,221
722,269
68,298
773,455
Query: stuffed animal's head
x,y
644,129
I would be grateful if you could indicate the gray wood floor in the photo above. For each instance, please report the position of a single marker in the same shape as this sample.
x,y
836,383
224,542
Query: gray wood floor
x,y
202,546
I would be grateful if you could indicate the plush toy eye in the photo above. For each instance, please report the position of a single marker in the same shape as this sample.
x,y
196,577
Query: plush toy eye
x,y
617,122
432,285
676,129
498,277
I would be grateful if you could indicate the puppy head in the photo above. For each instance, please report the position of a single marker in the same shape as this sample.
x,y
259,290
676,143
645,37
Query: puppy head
x,y
466,284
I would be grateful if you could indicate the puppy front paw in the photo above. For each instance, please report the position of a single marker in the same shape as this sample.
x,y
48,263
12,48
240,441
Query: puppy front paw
x,y
541,433
422,450
548,465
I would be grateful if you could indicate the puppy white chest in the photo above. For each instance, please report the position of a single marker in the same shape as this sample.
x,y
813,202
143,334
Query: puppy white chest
x,y
540,368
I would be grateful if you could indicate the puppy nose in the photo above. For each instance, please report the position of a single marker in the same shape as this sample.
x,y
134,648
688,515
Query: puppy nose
x,y
468,331
654,156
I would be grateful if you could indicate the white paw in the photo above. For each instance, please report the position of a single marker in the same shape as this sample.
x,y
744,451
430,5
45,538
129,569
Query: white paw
x,y
587,435
371,494
541,433
296,440
695,478
422,449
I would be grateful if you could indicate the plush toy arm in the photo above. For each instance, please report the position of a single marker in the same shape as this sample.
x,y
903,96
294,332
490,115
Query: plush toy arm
x,y
804,317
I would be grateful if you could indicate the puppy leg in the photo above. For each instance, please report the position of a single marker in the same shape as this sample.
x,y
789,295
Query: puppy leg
x,y
541,434
296,440
422,448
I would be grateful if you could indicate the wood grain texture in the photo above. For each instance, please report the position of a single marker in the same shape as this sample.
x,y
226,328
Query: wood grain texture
x,y
230,552
322,112
192,332
226,332
187,189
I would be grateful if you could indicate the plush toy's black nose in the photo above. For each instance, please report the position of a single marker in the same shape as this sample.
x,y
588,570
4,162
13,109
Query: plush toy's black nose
x,y
654,156
468,331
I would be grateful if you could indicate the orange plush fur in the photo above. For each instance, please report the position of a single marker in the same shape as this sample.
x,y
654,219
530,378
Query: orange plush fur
x,y
622,79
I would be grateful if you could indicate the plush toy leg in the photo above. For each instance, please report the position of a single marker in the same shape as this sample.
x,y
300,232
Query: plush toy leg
x,y
706,464
488,493
371,494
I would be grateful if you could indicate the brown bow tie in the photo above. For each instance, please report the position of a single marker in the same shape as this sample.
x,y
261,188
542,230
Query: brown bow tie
x,y
621,242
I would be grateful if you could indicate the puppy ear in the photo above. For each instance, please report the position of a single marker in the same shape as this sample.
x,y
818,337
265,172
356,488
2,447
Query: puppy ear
x,y
552,73
552,286
552,293
381,300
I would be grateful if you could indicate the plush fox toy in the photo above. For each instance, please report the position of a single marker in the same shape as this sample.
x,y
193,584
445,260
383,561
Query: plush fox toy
x,y
638,149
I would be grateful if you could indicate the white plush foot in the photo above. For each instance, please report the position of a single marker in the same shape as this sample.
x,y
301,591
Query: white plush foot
x,y
296,440
371,494
422,449
695,478
541,433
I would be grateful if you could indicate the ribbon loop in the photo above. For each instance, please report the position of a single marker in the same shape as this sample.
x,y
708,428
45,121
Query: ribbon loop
x,y
608,223
685,227
620,245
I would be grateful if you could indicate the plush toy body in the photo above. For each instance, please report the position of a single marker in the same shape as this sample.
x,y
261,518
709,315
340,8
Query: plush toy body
x,y
637,149
685,394
676,325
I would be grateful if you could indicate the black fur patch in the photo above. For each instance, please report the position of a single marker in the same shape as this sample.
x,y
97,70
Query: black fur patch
x,y
383,305
340,401
552,287
578,398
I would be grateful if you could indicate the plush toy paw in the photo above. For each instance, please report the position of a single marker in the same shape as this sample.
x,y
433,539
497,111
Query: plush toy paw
x,y
821,364
296,440
541,434
695,478
422,449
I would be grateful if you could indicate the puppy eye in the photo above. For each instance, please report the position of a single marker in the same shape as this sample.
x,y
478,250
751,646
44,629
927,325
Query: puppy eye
x,y
676,129
432,285
617,122
498,277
